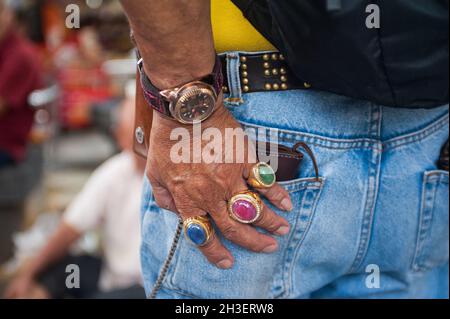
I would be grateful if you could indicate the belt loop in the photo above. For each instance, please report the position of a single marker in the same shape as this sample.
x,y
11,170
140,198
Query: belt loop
x,y
234,79
375,121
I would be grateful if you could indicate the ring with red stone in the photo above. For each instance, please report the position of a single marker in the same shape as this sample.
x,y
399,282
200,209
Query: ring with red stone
x,y
262,175
245,207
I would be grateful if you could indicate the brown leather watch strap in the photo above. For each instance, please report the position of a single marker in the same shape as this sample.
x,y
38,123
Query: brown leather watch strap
x,y
152,94
143,121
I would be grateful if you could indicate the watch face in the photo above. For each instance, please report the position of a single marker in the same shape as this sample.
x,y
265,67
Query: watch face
x,y
195,105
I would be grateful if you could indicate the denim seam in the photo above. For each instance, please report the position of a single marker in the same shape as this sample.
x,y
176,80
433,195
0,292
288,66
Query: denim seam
x,y
285,289
294,186
432,178
305,233
416,136
371,199
286,135
421,230
288,273
169,280
310,183
169,283
357,143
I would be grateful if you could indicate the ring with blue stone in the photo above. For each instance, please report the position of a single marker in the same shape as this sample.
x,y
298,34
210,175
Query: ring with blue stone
x,y
198,230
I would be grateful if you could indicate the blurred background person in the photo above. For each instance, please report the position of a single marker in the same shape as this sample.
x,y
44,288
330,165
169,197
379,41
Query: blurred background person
x,y
19,76
110,200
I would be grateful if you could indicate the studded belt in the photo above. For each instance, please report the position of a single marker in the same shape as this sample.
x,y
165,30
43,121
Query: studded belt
x,y
264,72
258,73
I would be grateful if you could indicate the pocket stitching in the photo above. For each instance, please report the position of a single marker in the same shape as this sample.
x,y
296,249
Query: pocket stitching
x,y
433,178
287,274
301,184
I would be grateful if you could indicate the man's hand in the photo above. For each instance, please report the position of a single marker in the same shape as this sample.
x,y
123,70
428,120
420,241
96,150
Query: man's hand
x,y
175,40
199,189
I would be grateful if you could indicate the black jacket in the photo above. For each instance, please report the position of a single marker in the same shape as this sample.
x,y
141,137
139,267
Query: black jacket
x,y
403,63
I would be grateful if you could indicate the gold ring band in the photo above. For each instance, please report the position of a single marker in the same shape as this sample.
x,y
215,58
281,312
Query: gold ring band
x,y
245,207
198,230
261,175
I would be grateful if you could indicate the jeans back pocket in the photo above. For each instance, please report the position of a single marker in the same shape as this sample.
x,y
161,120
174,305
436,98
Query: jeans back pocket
x,y
432,247
254,275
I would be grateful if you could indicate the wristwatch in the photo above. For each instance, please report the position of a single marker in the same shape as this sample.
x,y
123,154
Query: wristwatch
x,y
190,103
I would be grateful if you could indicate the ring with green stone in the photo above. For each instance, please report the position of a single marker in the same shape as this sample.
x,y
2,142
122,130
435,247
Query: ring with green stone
x,y
262,175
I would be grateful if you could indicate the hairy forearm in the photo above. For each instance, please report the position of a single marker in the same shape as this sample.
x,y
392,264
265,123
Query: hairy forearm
x,y
174,37
56,248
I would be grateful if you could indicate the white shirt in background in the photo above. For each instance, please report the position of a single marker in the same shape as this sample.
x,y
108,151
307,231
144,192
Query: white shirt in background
x,y
110,201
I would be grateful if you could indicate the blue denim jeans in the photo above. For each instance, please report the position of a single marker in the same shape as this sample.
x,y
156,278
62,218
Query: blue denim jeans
x,y
374,226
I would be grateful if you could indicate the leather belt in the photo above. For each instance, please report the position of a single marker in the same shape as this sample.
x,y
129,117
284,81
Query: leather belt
x,y
264,72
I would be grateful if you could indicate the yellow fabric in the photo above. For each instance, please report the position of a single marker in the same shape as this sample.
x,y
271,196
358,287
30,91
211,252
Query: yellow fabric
x,y
232,32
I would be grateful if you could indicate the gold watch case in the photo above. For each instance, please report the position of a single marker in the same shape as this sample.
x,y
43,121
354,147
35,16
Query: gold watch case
x,y
192,97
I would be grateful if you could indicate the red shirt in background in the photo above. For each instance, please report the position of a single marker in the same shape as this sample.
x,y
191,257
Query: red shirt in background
x,y
19,76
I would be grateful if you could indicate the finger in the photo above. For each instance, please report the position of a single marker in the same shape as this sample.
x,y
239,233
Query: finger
x,y
214,250
278,196
269,220
217,254
243,235
272,222
164,199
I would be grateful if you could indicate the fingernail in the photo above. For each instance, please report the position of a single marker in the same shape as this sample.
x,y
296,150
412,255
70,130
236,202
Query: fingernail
x,y
283,230
286,204
224,264
270,249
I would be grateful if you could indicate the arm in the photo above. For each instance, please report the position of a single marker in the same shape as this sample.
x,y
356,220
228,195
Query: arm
x,y
176,43
84,213
174,38
56,248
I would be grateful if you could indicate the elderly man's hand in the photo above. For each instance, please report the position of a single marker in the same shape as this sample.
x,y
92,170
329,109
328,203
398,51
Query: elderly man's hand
x,y
176,43
193,189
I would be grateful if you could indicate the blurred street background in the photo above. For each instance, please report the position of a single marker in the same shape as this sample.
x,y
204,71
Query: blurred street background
x,y
86,74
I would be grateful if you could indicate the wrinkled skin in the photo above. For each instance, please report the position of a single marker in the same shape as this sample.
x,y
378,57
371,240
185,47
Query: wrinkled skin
x,y
199,189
